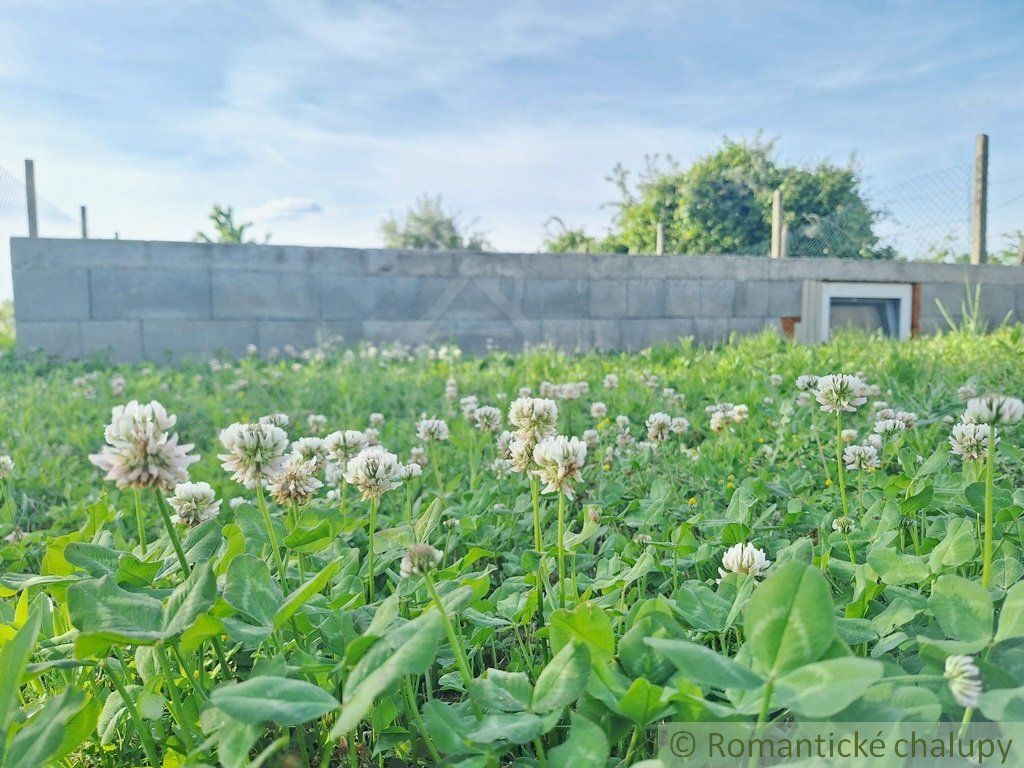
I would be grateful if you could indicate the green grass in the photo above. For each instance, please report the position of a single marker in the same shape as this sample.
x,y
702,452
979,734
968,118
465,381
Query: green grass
x,y
872,614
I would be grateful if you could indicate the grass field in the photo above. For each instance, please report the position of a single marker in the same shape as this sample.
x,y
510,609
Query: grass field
x,y
714,545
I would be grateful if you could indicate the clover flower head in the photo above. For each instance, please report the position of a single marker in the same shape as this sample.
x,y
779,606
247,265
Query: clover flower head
x,y
341,446
311,449
296,481
254,452
276,419
598,410
966,392
622,421
487,418
376,420
451,389
592,438
141,452
840,392
862,457
807,382
316,422
374,471
994,409
745,559
611,381
658,427
889,427
970,441
6,465
534,416
560,460
194,503
679,425
420,559
411,470
775,380
964,680
468,405
909,418
848,435
432,430
418,455
842,525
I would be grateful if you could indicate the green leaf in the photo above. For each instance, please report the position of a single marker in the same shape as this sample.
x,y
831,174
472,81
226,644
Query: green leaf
x,y
501,691
896,568
641,702
963,609
190,600
1011,615
824,688
270,699
705,667
956,548
39,741
303,594
411,656
251,589
14,658
586,623
563,680
106,615
789,619
516,728
585,747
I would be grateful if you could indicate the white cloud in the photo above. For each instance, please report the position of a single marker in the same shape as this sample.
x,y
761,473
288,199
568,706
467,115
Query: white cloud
x,y
285,209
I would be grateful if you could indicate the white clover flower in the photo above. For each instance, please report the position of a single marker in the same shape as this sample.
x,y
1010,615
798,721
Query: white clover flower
x,y
970,441
622,421
560,460
994,409
372,436
411,470
592,438
276,419
316,422
487,418
643,539
194,503
649,380
420,559
469,404
254,452
503,443
889,427
376,420
807,382
296,482
452,522
848,435
374,472
964,680
341,446
744,559
658,426
884,414
909,418
502,467
451,390
611,381
236,502
879,405
966,392
679,425
842,525
6,465
534,416
840,392
804,399
432,430
719,421
525,392
520,451
624,439
775,380
141,452
418,455
598,410
875,441
311,449
860,457
117,385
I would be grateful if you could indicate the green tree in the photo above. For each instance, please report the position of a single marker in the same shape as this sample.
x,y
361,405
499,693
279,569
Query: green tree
x,y
722,204
225,229
428,226
562,239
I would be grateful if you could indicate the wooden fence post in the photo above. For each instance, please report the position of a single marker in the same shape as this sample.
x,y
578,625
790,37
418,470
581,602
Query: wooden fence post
x,y
979,203
777,250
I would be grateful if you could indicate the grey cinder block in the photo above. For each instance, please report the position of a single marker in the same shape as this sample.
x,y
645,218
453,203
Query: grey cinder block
x,y
119,294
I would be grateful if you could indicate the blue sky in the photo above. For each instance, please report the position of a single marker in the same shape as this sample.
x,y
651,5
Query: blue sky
x,y
318,118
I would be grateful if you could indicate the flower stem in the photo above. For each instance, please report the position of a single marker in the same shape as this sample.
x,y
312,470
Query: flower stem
x,y
374,503
165,515
133,713
986,563
414,713
139,521
460,655
561,550
172,692
538,544
268,523
839,461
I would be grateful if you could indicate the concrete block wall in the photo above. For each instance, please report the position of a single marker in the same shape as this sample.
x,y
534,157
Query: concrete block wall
x,y
164,301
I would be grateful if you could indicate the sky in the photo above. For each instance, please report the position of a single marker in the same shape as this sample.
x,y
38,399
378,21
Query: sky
x,y
316,119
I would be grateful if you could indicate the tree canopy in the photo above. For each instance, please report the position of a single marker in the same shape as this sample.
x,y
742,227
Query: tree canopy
x,y
722,204
428,226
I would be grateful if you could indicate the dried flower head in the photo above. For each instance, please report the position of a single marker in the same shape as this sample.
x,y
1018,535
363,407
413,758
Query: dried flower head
x,y
420,559
254,452
194,503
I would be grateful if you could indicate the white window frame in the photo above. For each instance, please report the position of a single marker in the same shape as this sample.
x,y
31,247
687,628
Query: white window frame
x,y
902,292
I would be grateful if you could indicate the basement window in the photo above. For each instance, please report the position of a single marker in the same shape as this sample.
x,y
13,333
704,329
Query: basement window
x,y
872,307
